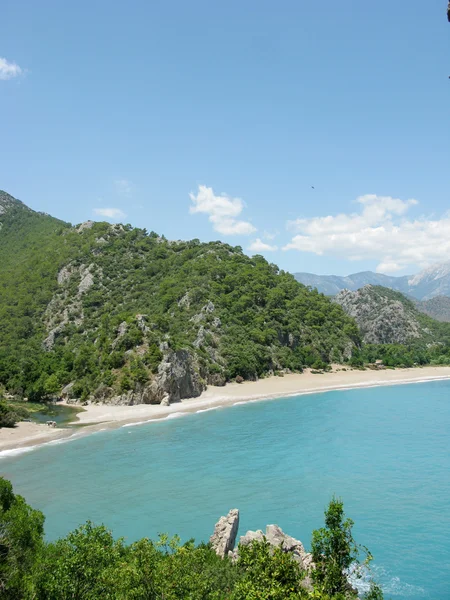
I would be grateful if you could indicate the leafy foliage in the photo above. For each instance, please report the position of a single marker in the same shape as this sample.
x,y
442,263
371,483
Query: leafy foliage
x,y
334,551
11,414
268,574
21,535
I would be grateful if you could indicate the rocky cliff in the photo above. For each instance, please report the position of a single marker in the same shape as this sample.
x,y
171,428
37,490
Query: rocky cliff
x,y
223,541
383,317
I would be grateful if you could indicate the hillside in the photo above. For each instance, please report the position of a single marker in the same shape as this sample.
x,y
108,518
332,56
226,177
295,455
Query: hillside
x,y
118,314
387,317
429,283
437,308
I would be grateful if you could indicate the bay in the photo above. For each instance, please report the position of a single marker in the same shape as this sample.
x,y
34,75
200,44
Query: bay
x,y
385,451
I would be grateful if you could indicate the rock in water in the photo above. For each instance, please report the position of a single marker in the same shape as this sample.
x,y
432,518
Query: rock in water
x,y
225,532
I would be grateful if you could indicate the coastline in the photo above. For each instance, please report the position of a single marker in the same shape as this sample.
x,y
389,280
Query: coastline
x,y
98,417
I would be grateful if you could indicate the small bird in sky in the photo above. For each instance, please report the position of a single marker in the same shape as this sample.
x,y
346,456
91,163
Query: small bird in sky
x,y
312,187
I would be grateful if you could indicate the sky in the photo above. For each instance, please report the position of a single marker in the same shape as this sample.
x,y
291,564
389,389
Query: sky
x,y
314,133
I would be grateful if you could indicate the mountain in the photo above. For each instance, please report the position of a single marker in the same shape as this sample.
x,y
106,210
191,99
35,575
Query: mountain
x,y
113,313
431,282
385,316
330,285
438,308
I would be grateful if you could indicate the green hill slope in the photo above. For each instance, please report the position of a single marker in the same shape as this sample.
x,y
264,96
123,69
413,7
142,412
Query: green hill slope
x,y
131,317
437,308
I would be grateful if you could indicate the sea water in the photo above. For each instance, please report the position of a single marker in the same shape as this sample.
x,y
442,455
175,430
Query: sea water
x,y
385,451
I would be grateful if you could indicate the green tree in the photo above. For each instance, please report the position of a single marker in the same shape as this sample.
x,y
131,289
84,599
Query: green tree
x,y
52,385
8,416
80,565
268,574
21,541
334,550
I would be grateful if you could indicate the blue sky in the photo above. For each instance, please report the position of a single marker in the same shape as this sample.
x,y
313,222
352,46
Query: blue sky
x,y
212,120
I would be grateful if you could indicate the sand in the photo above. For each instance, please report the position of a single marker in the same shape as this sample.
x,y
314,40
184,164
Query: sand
x,y
97,417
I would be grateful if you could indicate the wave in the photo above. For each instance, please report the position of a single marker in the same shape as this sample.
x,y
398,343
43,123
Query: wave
x,y
140,423
203,410
64,440
17,451
361,578
25,449
176,415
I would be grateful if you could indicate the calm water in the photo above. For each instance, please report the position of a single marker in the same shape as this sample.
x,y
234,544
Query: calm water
x,y
385,451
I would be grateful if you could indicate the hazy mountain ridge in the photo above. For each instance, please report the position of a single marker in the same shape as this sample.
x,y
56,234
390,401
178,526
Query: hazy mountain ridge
x,y
437,308
429,283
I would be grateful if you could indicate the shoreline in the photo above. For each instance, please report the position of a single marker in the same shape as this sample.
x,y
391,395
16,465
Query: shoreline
x,y
98,417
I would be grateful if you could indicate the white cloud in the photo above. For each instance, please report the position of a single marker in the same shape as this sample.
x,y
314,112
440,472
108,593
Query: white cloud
x,y
259,246
380,231
222,211
9,70
124,187
110,213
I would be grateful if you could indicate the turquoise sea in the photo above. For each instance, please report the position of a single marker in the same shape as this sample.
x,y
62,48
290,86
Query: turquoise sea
x,y
384,450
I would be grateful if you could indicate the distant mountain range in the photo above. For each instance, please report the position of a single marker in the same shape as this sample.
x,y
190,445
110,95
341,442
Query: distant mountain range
x,y
429,283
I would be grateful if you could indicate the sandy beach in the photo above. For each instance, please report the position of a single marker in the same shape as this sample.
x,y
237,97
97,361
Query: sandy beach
x,y
102,416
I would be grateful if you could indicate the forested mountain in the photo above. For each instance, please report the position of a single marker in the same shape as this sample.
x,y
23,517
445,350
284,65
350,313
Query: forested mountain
x,y
429,283
114,312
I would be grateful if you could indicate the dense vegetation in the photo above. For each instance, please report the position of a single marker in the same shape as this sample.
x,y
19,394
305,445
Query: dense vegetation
x,y
89,564
101,305
10,415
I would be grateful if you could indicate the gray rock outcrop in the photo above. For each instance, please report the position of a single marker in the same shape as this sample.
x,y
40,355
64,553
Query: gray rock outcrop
x,y
224,538
177,377
87,279
276,537
225,532
85,225
381,317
